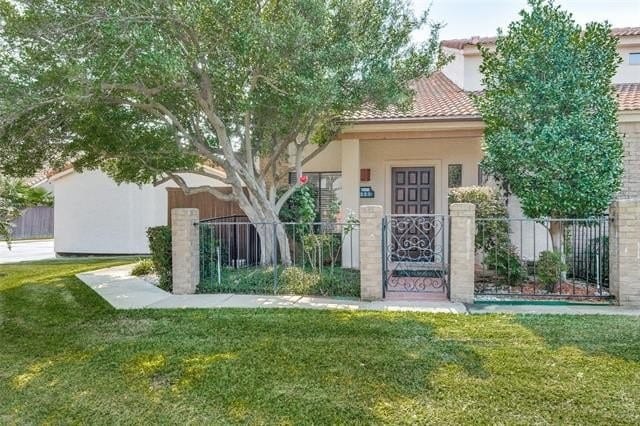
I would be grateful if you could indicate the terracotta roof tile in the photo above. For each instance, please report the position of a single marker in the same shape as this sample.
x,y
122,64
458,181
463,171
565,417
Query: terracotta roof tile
x,y
436,97
460,43
628,96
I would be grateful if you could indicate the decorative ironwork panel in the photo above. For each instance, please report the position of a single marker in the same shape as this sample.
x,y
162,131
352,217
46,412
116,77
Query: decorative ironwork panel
x,y
414,253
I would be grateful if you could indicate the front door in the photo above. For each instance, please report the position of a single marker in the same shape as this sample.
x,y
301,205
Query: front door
x,y
413,236
412,190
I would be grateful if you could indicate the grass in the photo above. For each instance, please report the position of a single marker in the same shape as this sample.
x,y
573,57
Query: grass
x,y
67,357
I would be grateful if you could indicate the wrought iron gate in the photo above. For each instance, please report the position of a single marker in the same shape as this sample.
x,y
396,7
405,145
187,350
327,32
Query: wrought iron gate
x,y
414,248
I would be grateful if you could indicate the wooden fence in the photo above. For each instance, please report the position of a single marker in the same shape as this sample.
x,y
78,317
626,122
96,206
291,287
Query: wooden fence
x,y
210,207
35,222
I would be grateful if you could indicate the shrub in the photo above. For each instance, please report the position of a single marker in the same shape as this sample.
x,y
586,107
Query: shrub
x,y
549,269
505,261
143,267
331,282
492,237
322,249
291,280
160,247
489,204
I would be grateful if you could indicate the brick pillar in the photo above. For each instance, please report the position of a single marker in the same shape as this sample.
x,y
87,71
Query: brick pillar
x,y
185,250
371,252
624,252
461,263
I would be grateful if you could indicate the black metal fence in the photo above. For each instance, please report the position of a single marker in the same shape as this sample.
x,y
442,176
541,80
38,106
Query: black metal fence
x,y
542,258
238,256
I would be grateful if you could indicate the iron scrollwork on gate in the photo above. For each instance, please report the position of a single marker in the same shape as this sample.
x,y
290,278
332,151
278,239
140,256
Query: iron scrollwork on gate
x,y
414,253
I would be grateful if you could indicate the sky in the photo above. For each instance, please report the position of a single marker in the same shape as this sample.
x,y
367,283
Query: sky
x,y
466,18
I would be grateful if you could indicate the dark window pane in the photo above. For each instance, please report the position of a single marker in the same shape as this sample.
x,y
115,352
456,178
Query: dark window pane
x,y
326,187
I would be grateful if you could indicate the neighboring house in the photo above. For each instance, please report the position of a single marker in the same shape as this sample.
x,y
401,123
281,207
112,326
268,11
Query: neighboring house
x,y
95,215
410,159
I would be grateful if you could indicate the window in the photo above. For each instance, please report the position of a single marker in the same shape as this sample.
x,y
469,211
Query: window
x,y
634,58
455,175
327,187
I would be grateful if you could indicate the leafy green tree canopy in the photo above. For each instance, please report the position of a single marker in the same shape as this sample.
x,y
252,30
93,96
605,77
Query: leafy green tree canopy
x,y
551,113
144,88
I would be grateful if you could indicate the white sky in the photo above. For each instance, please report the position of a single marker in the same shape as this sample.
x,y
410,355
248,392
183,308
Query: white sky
x,y
466,18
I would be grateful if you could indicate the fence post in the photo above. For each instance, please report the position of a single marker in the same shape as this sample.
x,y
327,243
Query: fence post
x,y
371,252
185,250
462,258
624,252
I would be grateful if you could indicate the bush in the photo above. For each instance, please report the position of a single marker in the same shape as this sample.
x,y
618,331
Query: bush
x,y
336,282
291,280
492,237
160,247
143,267
322,249
549,269
489,204
505,261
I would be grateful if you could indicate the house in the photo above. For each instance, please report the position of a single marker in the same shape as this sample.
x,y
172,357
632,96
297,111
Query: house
x,y
404,161
95,215
407,161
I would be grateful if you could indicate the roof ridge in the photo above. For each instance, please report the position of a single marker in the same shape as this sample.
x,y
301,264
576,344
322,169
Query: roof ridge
x,y
459,43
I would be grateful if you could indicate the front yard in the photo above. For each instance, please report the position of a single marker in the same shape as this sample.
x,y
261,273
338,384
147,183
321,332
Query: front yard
x,y
67,357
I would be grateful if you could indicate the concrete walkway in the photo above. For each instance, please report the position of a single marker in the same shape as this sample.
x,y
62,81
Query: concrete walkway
x,y
26,250
123,291
574,309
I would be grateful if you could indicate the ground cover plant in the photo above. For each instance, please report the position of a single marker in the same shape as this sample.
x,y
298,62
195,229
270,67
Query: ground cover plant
x,y
68,357
290,280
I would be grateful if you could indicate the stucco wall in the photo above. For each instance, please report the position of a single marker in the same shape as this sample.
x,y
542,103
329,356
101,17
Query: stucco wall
x,y
454,70
464,70
381,155
95,215
627,73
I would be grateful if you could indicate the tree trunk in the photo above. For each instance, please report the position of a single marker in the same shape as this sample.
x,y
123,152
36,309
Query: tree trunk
x,y
556,229
274,244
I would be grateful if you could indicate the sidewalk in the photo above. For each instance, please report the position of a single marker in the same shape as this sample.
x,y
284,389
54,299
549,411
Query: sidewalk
x,y
124,291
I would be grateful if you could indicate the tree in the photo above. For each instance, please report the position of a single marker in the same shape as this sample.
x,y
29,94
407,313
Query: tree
x,y
16,196
551,115
146,89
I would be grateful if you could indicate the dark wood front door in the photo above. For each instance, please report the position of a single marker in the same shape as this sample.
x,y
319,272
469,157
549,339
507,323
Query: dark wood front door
x,y
412,190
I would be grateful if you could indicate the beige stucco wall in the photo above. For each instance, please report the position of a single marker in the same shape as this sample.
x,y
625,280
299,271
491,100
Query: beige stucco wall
x,y
626,72
381,155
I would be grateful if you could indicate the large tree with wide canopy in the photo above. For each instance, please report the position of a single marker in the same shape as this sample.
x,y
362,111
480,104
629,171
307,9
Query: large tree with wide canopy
x,y
146,89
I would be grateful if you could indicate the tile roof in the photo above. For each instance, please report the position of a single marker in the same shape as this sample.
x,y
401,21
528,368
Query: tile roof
x,y
460,43
628,96
437,97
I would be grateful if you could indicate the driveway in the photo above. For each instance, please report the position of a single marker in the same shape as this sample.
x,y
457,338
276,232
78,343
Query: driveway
x,y
27,250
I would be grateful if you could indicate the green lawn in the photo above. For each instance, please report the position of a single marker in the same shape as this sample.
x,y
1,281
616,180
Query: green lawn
x,y
67,357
